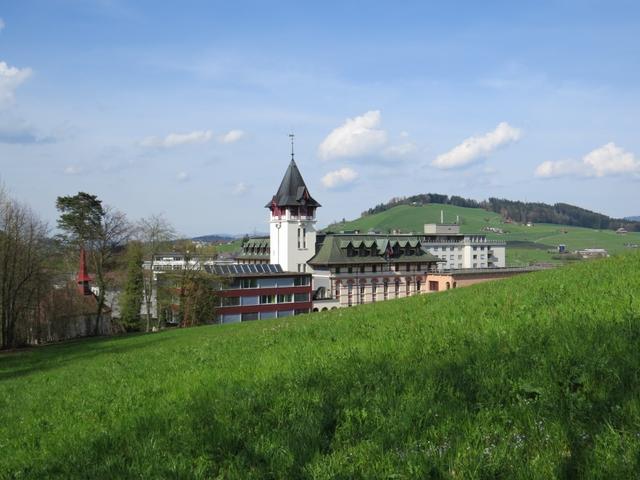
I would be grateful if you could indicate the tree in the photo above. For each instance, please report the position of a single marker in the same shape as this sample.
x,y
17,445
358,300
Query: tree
x,y
23,253
134,288
155,232
101,231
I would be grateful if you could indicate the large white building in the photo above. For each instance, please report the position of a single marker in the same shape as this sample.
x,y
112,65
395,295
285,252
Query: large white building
x,y
462,250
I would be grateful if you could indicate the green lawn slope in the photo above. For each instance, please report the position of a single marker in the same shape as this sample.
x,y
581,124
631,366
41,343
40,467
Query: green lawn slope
x,y
525,244
534,377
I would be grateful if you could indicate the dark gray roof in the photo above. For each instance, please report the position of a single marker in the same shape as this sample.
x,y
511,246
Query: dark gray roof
x,y
237,269
293,191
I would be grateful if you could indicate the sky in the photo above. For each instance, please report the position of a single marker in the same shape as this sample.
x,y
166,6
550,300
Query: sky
x,y
185,108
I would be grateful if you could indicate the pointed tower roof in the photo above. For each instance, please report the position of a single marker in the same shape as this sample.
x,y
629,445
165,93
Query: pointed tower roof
x,y
83,275
293,191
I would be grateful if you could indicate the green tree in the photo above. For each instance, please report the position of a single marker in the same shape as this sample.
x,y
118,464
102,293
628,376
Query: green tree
x,y
101,231
133,289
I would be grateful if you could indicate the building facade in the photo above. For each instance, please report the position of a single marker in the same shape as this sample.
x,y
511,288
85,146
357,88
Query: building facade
x,y
462,250
258,292
356,269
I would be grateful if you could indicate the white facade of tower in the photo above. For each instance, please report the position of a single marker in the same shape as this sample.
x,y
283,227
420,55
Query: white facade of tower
x,y
292,238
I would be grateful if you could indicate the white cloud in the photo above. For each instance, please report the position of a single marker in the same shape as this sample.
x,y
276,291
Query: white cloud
x,y
2,24
232,136
10,79
72,170
240,188
182,176
601,162
477,147
339,178
177,139
357,136
401,150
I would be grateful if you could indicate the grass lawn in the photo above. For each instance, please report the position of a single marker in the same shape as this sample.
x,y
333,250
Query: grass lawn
x,y
534,377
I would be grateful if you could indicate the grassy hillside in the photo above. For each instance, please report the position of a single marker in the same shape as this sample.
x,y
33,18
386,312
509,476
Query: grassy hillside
x,y
535,377
531,244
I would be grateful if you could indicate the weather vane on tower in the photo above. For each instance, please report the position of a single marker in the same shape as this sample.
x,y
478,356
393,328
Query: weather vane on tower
x,y
291,135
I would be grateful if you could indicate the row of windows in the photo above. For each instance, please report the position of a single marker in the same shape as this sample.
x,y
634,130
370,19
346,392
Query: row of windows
x,y
264,299
271,282
373,252
396,267
237,317
361,292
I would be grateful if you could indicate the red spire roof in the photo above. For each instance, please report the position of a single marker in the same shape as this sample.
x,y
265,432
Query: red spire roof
x,y
83,276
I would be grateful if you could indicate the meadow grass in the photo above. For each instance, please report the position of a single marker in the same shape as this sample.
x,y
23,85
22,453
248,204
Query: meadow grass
x,y
533,377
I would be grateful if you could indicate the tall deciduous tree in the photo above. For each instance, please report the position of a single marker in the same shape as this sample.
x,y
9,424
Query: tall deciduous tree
x,y
101,231
155,233
134,288
23,252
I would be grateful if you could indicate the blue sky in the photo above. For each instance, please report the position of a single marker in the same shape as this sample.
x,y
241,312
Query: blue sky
x,y
185,108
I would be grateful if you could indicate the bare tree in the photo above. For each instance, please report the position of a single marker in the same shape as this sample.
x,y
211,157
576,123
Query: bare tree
x,y
101,230
115,230
23,252
155,232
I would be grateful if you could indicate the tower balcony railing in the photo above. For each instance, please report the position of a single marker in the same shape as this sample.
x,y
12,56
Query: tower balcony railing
x,y
293,217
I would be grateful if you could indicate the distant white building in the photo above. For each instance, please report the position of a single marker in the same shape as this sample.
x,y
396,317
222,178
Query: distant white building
x,y
462,250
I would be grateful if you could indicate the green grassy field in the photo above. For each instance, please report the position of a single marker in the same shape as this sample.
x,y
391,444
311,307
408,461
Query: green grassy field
x,y
412,219
534,377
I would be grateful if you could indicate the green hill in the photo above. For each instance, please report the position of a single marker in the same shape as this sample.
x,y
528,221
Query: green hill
x,y
534,377
524,244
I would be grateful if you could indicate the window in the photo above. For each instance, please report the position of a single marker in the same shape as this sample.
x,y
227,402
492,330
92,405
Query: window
x,y
397,288
396,267
374,290
350,294
267,299
301,311
362,287
408,288
337,269
301,297
249,283
304,237
433,286
361,268
459,257
475,256
229,301
301,281
337,291
285,298
249,316
374,268
299,239
385,289
451,257
475,265
408,267
350,270
418,285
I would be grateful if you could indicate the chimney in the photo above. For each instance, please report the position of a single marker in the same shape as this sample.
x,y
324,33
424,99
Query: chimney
x,y
83,278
